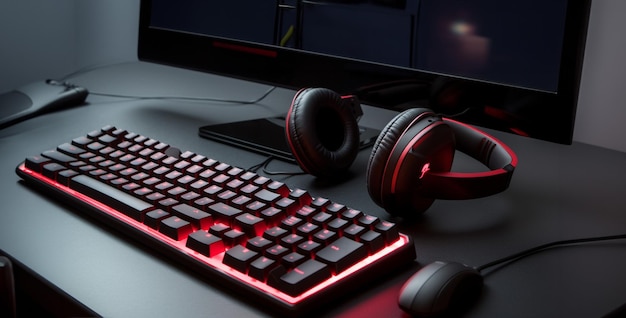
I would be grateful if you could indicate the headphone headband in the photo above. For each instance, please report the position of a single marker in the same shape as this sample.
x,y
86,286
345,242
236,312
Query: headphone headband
x,y
488,150
410,165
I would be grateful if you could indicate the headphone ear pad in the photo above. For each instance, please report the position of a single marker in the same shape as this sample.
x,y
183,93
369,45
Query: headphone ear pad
x,y
322,132
433,144
381,151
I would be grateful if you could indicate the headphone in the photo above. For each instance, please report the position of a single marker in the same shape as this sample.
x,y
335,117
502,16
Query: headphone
x,y
409,166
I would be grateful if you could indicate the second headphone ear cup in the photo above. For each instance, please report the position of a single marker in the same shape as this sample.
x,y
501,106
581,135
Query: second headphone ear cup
x,y
381,151
322,132
399,155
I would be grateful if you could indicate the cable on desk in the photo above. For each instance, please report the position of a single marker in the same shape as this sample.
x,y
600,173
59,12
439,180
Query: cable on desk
x,y
197,99
64,82
540,248
263,166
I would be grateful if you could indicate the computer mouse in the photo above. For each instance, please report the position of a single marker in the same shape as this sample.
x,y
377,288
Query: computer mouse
x,y
37,98
440,288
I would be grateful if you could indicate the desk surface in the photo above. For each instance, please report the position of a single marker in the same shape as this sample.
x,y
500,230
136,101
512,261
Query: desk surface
x,y
557,192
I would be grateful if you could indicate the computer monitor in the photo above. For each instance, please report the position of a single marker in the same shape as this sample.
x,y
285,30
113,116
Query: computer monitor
x,y
513,66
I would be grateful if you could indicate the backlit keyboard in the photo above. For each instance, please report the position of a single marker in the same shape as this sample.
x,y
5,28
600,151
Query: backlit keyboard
x,y
279,245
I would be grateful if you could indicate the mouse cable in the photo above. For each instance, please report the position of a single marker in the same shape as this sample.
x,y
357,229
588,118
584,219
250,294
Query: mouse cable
x,y
194,99
70,85
546,246
64,82
263,165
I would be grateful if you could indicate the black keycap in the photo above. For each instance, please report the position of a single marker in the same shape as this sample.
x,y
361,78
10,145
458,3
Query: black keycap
x,y
58,156
267,196
223,212
342,254
354,231
198,218
388,230
117,199
309,248
301,278
261,267
205,243
34,163
175,227
233,237
275,233
50,170
324,236
219,229
276,251
63,177
250,224
293,259
239,258
70,149
258,243
374,241
154,217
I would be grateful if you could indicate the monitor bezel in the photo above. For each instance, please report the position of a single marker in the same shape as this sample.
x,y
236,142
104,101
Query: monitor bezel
x,y
381,85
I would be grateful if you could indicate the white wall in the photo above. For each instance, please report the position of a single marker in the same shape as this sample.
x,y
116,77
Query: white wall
x,y
47,39
601,116
36,40
42,39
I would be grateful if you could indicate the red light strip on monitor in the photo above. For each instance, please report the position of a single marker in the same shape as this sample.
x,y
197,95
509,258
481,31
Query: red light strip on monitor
x,y
215,262
245,49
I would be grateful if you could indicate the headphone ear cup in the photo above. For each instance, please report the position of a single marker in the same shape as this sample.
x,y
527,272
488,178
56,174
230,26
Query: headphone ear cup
x,y
322,132
414,139
381,151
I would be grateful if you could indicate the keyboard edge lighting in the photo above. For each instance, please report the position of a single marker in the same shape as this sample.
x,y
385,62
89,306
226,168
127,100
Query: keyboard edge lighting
x,y
215,262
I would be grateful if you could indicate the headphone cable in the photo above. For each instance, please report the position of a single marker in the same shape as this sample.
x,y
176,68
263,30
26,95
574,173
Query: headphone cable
x,y
540,248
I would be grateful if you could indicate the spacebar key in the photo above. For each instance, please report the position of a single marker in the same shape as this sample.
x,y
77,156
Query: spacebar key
x,y
110,196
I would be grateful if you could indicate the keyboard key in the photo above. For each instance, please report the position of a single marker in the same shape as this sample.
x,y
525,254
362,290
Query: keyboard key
x,y
154,217
234,237
274,234
198,218
63,177
292,260
219,229
50,170
58,156
301,196
351,215
259,243
309,247
35,162
267,196
223,212
261,267
388,230
301,278
276,251
110,196
342,254
239,258
325,236
175,227
374,241
70,149
250,224
205,243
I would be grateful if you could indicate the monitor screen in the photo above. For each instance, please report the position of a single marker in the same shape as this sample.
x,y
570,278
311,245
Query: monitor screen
x,y
508,65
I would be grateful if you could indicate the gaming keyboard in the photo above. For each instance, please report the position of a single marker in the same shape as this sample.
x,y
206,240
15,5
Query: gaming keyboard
x,y
280,246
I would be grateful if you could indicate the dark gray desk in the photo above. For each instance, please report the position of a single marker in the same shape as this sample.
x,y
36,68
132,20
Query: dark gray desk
x,y
558,192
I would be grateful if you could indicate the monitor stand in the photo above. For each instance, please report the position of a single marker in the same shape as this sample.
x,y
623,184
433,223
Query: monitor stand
x,y
267,136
